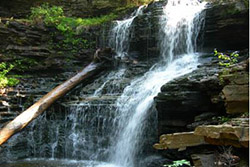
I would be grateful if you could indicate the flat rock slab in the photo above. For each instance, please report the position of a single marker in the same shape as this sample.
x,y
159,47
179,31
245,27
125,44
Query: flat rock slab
x,y
179,141
237,136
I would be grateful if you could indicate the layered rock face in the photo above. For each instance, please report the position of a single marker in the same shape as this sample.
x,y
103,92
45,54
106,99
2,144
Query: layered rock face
x,y
145,36
182,99
39,47
236,89
226,25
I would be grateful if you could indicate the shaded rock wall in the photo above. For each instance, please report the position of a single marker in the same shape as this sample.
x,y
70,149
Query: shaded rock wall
x,y
39,60
42,48
226,26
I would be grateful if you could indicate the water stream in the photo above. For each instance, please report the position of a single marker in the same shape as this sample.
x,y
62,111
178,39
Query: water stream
x,y
120,34
106,131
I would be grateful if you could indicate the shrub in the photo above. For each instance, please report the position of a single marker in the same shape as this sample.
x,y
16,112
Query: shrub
x,y
226,60
4,80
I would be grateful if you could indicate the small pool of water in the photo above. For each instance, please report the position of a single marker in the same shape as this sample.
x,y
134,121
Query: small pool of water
x,y
55,163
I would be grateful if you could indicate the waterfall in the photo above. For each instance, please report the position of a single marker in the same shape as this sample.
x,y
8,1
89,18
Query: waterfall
x,y
119,35
178,32
98,127
180,25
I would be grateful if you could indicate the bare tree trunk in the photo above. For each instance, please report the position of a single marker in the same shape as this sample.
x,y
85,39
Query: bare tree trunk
x,y
40,106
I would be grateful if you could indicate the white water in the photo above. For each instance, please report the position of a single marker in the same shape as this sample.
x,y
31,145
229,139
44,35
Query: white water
x,y
119,39
178,31
111,79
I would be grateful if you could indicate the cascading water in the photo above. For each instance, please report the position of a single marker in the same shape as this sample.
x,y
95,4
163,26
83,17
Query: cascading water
x,y
120,33
178,34
101,128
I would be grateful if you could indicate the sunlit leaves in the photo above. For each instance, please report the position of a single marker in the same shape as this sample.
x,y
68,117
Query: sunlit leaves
x,y
178,163
226,60
4,80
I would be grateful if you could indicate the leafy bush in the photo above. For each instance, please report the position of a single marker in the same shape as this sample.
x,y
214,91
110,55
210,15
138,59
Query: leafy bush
x,y
46,14
226,60
4,80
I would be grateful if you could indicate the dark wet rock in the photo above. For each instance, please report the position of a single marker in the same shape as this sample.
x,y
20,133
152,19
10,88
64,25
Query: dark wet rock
x,y
201,160
145,30
226,26
184,99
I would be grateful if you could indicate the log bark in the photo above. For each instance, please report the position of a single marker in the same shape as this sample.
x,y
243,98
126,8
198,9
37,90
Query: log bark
x,y
22,120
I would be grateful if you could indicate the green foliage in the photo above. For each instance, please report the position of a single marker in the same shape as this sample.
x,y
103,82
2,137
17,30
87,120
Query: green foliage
x,y
70,27
222,119
54,16
178,163
226,60
4,80
50,15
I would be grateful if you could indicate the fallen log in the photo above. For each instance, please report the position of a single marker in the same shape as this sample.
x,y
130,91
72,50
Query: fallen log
x,y
101,57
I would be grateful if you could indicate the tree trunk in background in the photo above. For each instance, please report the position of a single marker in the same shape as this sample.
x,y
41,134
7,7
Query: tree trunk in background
x,y
98,64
